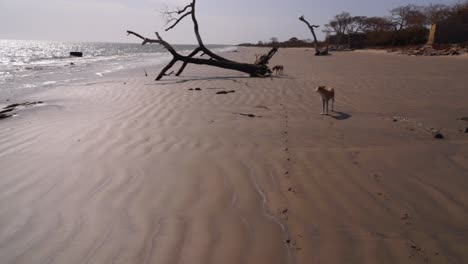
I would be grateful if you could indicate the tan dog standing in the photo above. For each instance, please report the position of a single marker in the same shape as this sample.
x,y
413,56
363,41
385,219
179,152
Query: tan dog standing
x,y
327,95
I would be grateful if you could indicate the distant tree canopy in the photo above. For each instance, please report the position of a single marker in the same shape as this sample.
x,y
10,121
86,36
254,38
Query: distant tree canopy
x,y
405,25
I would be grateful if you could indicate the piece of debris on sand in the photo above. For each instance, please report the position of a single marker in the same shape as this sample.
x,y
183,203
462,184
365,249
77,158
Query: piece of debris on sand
x,y
7,110
248,115
226,92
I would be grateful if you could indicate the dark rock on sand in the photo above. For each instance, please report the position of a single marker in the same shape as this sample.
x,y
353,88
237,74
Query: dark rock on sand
x,y
438,50
436,134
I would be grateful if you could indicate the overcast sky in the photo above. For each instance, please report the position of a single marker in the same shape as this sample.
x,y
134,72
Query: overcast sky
x,y
221,21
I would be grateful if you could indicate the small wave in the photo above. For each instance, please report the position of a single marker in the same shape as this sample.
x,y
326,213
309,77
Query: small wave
x,y
28,85
227,49
48,83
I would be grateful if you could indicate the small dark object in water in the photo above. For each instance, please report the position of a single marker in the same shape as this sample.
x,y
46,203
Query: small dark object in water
x,y
197,89
288,241
76,54
125,83
191,89
284,211
71,63
226,92
8,100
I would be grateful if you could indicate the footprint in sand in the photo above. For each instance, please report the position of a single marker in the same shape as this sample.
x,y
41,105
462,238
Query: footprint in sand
x,y
406,218
417,251
262,107
292,244
377,177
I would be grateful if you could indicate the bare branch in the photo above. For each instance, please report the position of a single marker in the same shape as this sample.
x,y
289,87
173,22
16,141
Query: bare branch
x,y
165,69
178,12
197,50
311,27
259,69
145,40
178,21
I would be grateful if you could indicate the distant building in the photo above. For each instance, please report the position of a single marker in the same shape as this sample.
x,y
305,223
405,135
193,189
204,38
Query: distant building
x,y
450,31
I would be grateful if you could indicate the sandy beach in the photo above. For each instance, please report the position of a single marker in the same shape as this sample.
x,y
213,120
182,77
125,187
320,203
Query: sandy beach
x,y
129,170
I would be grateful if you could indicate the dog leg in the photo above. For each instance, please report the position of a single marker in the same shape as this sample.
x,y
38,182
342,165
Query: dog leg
x,y
333,104
323,106
327,107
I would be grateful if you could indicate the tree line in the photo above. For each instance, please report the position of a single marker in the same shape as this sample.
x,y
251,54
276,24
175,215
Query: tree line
x,y
405,25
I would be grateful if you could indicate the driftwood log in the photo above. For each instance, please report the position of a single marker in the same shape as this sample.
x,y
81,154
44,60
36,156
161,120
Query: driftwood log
x,y
258,69
318,52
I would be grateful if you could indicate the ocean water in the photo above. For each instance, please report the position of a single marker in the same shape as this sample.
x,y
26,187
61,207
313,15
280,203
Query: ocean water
x,y
35,64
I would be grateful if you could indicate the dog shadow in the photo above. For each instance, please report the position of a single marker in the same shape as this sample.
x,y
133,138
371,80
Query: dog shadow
x,y
340,115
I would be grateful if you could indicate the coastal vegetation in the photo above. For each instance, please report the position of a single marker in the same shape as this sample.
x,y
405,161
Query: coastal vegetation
x,y
404,25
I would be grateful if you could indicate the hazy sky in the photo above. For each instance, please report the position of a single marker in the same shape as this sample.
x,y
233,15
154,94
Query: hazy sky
x,y
221,21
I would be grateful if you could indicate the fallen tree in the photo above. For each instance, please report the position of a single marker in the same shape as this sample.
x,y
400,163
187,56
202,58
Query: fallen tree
x,y
258,69
318,52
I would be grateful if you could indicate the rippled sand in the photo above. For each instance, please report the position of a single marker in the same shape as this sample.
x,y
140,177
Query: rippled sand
x,y
135,171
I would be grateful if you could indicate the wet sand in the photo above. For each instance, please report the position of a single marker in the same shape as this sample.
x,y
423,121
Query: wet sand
x,y
129,170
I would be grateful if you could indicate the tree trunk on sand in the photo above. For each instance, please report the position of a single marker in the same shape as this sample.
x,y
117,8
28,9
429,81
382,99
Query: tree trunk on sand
x,y
257,69
318,52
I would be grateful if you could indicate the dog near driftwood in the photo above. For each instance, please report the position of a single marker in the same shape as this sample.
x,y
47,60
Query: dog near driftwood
x,y
327,95
279,69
